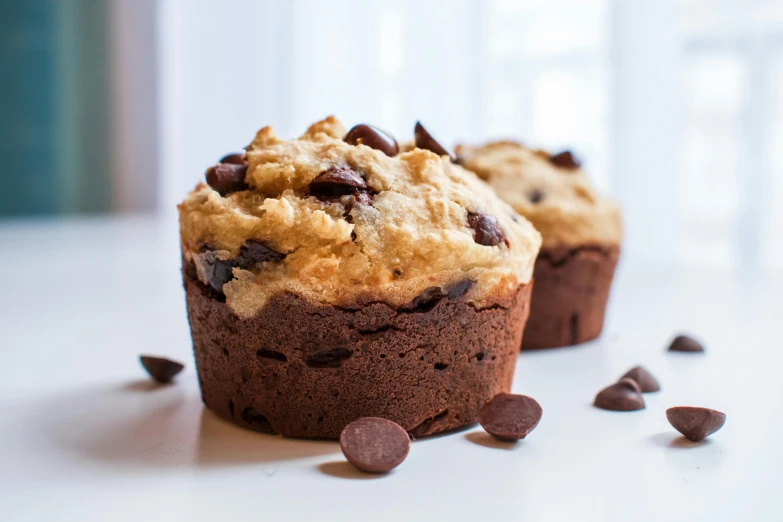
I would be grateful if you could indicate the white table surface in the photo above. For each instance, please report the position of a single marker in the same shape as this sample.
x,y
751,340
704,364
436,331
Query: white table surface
x,y
84,436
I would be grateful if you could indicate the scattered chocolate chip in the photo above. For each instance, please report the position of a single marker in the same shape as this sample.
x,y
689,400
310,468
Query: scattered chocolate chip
x,y
235,158
535,196
424,140
647,383
226,178
257,420
253,252
624,395
486,230
565,160
329,358
160,368
374,445
510,417
440,366
374,138
695,423
337,181
683,343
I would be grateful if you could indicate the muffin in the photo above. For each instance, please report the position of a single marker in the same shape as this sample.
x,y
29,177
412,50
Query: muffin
x,y
333,277
581,233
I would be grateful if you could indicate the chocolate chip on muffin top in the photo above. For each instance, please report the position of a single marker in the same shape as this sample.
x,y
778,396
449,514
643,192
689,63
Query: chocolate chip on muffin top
x,y
346,219
551,190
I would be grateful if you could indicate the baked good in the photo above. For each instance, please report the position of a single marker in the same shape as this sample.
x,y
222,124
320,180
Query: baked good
x,y
581,231
333,277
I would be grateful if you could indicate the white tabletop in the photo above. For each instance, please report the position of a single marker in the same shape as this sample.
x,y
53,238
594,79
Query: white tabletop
x,y
84,436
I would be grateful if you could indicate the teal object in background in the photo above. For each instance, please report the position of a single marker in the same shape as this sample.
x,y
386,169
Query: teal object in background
x,y
54,118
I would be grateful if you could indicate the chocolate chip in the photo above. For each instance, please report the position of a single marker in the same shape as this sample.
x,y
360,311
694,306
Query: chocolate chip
x,y
329,358
160,368
695,423
535,196
351,200
374,138
337,181
218,271
624,395
226,178
432,295
374,445
440,366
235,158
253,252
565,160
647,383
486,229
424,140
510,417
257,420
683,343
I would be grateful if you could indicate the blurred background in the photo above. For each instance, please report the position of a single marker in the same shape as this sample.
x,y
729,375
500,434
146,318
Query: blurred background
x,y
675,106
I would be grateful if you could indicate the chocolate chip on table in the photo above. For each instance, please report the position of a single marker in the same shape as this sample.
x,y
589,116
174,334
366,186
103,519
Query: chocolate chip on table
x,y
226,178
624,395
683,343
565,160
374,138
695,423
486,230
160,368
374,445
424,140
535,196
235,158
337,181
510,417
647,383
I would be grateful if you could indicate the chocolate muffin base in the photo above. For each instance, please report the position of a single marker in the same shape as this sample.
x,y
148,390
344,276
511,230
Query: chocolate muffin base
x,y
570,295
305,370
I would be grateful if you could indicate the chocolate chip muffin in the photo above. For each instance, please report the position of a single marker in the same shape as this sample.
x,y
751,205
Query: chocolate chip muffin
x,y
581,232
333,277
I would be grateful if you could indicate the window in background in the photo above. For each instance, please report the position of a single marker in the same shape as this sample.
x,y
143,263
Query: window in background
x,y
54,105
773,228
715,85
732,171
547,77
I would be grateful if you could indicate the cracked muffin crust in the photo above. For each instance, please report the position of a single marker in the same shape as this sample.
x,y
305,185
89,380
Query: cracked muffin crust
x,y
347,220
339,276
